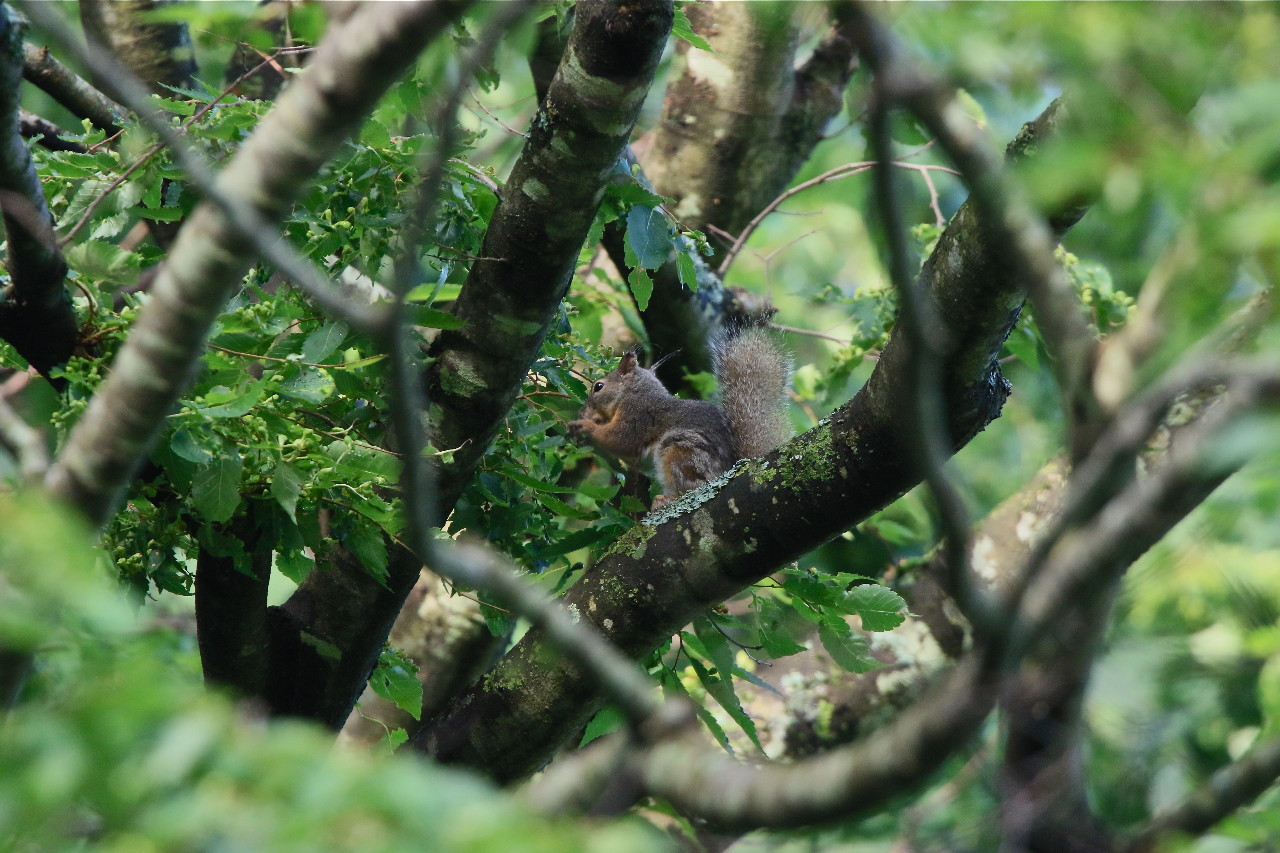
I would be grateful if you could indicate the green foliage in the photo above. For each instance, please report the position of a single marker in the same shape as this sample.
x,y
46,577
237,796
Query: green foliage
x,y
117,754
280,445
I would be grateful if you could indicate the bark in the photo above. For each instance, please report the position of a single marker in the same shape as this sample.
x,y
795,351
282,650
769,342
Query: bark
x,y
443,633
161,54
513,292
45,132
69,90
231,610
35,310
736,127
664,573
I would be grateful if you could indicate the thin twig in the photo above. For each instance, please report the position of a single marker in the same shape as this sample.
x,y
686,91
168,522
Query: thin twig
x,y
845,171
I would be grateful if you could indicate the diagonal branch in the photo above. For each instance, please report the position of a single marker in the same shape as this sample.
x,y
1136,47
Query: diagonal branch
x,y
531,247
662,575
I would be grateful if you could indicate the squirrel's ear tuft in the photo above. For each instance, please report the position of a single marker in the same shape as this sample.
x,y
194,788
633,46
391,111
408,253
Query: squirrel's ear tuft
x,y
628,363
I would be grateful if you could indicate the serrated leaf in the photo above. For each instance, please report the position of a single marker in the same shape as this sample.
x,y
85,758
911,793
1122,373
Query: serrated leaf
x,y
649,235
104,262
779,645
682,29
295,565
215,489
321,343
395,679
849,650
880,608
286,486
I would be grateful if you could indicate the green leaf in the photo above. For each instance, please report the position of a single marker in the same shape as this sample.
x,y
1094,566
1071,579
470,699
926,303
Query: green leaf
x,y
649,235
224,402
641,287
682,29
433,318
186,446
395,679
628,190
607,720
100,261
687,271
159,214
321,343
309,384
720,686
671,685
295,565
575,541
880,608
215,490
849,650
370,548
286,485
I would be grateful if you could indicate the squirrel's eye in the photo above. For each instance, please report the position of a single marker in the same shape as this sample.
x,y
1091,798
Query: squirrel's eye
x,y
599,385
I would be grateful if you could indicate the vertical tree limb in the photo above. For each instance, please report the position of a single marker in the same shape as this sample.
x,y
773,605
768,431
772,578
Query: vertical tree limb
x,y
531,247
35,312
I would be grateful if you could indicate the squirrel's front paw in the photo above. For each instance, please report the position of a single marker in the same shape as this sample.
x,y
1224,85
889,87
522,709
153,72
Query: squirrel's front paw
x,y
579,429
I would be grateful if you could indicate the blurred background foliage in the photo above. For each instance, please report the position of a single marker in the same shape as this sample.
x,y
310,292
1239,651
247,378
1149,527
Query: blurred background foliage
x,y
117,746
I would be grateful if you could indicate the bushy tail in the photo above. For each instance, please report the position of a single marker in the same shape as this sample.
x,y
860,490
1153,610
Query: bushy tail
x,y
753,370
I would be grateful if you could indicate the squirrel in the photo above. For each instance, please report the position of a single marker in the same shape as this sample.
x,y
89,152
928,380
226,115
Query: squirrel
x,y
632,415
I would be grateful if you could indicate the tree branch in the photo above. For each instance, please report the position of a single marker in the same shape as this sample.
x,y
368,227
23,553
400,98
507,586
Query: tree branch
x,y
70,90
36,316
763,514
736,126
530,249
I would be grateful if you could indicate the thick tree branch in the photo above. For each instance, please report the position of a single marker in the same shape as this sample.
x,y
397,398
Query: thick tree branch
x,y
231,612
736,126
856,779
158,52
35,310
352,68
730,534
531,246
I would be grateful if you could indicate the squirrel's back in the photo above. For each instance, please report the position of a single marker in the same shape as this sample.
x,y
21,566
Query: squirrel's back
x,y
753,370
